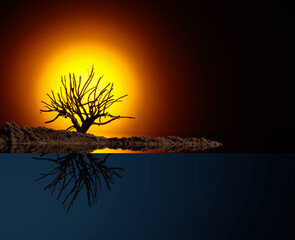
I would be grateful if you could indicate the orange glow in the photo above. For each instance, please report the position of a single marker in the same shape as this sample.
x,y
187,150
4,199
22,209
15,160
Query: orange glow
x,y
78,58
132,51
48,55
108,150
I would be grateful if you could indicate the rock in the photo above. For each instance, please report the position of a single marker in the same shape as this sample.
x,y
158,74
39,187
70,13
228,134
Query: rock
x,y
2,143
14,138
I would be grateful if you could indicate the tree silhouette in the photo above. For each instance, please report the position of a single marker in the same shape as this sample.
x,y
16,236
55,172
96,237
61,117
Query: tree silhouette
x,y
74,172
84,105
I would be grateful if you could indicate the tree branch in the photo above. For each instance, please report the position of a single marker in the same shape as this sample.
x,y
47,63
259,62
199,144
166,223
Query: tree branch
x,y
83,102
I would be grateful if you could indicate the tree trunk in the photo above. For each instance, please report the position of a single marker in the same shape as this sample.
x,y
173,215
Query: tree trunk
x,y
87,124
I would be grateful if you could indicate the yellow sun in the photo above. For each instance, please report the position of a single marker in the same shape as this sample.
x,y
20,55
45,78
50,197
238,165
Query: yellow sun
x,y
78,59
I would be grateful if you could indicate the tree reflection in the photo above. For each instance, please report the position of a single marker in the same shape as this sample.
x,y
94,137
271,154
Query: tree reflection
x,y
75,172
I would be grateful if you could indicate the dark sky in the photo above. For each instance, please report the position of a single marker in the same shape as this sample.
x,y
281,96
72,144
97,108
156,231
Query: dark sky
x,y
240,54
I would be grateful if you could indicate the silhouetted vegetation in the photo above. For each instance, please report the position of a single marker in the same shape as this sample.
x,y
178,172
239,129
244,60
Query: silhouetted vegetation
x,y
84,105
75,172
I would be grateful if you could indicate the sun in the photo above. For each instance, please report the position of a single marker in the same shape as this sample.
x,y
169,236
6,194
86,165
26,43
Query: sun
x,y
117,51
79,59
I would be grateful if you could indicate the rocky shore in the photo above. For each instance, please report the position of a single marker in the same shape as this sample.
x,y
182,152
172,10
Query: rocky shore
x,y
16,139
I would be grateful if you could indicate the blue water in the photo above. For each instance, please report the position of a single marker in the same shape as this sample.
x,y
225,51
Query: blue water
x,y
159,196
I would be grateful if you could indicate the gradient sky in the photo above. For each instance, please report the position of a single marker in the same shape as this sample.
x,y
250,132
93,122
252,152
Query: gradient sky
x,y
199,68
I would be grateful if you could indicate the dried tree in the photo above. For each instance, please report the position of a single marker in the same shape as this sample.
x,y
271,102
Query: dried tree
x,y
75,172
84,105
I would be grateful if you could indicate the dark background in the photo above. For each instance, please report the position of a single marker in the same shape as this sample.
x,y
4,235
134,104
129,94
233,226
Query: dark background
x,y
241,51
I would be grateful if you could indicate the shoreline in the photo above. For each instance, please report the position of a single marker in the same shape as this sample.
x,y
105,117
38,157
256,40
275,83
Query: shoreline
x,y
16,139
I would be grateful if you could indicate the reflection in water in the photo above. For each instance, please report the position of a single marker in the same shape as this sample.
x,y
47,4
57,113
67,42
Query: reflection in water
x,y
77,171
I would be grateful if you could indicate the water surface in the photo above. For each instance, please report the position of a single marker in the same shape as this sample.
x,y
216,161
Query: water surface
x,y
156,196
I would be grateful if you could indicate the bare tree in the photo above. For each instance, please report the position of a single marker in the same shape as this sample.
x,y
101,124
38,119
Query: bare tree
x,y
84,105
75,172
